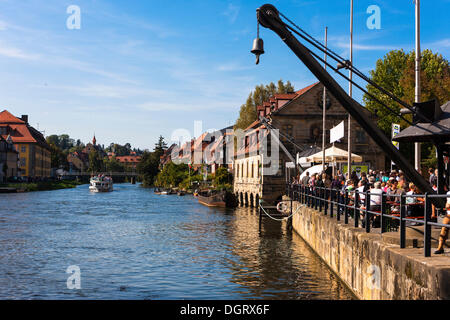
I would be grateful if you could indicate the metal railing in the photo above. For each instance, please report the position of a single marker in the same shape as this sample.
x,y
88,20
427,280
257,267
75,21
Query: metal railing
x,y
391,212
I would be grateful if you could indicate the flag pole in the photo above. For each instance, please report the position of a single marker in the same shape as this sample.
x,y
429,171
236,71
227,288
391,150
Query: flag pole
x,y
417,147
324,107
350,92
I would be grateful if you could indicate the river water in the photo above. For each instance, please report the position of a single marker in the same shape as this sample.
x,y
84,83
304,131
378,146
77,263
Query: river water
x,y
133,244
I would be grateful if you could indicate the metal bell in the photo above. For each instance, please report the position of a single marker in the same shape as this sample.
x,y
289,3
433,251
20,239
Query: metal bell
x,y
258,48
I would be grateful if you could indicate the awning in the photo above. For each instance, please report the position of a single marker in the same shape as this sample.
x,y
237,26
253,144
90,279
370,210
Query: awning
x,y
438,131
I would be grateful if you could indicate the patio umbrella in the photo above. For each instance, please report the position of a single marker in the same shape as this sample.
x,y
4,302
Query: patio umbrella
x,y
332,154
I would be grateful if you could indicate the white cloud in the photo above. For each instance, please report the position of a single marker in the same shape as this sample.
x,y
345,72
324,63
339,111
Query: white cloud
x,y
232,12
16,53
363,47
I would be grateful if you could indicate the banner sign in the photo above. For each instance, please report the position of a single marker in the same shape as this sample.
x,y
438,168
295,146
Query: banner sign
x,y
395,131
337,132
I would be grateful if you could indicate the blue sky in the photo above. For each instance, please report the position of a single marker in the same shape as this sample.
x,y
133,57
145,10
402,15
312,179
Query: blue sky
x,y
138,69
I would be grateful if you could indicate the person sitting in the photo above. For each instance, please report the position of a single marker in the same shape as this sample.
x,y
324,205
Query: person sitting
x,y
444,231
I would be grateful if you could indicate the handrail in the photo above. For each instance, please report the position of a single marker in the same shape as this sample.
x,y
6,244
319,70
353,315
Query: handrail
x,y
326,200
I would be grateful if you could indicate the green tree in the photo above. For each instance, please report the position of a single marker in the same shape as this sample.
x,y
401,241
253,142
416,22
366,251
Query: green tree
x,y
172,175
112,165
248,113
148,168
160,146
95,162
395,73
223,177
58,157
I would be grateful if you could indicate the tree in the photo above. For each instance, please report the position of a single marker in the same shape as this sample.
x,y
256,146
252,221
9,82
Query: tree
x,y
396,73
95,162
160,146
148,168
172,175
112,165
222,177
248,113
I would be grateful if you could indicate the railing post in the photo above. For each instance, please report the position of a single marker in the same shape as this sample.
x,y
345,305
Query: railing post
x,y
383,210
338,212
345,206
327,201
331,203
367,214
356,209
427,229
309,197
320,200
402,222
315,198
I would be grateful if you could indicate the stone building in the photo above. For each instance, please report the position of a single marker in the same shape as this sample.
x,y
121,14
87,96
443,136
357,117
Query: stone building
x,y
298,117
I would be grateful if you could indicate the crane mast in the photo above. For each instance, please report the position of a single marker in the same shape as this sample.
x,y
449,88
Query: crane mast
x,y
268,17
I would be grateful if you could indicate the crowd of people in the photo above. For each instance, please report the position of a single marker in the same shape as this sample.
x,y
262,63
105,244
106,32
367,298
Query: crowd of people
x,y
393,184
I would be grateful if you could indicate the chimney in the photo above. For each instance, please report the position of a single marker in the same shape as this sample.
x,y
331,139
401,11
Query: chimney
x,y
25,118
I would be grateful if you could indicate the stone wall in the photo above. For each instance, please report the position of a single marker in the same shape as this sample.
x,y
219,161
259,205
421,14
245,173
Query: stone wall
x,y
370,267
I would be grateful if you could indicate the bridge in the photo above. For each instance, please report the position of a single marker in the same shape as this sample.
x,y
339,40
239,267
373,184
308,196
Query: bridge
x,y
110,174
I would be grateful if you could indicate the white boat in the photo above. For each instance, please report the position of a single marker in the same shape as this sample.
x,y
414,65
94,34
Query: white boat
x,y
101,184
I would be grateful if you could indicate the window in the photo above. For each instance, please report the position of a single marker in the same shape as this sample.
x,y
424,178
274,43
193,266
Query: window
x,y
287,131
23,162
361,137
23,149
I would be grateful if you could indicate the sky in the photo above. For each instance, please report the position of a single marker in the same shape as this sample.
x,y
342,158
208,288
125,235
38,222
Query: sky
x,y
138,69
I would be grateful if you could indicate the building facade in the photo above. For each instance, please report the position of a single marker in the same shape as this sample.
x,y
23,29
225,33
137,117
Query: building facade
x,y
9,158
298,118
34,151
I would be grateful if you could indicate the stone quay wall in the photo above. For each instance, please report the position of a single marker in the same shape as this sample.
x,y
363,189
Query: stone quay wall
x,y
372,268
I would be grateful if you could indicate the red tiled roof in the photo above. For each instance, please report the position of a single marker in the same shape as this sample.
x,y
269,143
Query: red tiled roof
x,y
304,90
252,125
6,117
128,159
20,133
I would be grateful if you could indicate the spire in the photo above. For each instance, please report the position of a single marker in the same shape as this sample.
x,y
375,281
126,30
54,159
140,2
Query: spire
x,y
94,141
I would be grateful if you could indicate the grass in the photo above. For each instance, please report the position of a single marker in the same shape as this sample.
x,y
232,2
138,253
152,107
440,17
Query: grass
x,y
42,186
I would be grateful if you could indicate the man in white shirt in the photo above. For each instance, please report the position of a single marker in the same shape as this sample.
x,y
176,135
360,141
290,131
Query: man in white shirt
x,y
375,197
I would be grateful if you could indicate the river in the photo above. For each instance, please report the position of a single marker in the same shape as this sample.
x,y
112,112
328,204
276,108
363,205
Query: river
x,y
133,244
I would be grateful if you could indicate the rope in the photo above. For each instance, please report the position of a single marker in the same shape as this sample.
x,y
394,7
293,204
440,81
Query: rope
x,y
356,71
282,219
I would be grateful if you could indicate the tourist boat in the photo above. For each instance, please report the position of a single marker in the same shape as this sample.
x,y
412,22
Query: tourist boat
x,y
101,183
223,199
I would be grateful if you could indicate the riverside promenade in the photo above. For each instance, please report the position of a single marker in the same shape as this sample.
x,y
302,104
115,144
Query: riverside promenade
x,y
373,264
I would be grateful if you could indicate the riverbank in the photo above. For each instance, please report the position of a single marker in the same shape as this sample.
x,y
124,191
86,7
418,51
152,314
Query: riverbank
x,y
39,186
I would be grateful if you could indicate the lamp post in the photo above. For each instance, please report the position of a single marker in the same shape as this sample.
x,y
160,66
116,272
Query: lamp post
x,y
324,107
417,148
350,92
